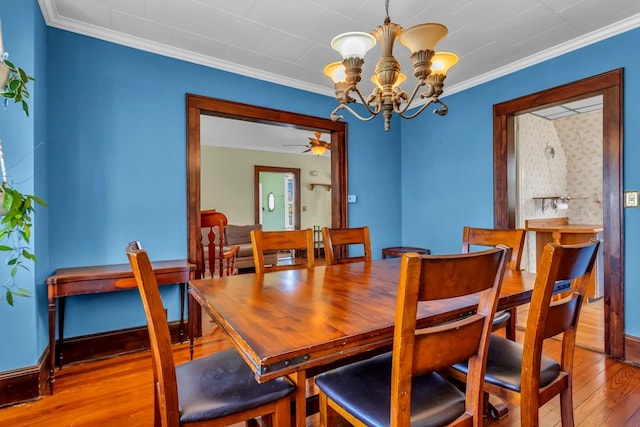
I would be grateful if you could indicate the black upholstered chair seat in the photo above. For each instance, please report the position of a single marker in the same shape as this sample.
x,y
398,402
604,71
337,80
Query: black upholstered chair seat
x,y
235,388
504,365
364,389
501,318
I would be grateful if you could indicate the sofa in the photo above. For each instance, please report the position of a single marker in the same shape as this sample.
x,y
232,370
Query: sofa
x,y
237,235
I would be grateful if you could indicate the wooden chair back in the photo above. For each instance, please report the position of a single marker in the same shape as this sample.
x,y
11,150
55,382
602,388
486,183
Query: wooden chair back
x,y
229,261
209,219
166,406
513,238
418,350
296,240
560,263
337,241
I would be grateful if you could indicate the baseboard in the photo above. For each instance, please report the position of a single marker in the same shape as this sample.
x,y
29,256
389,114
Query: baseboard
x,y
25,384
32,382
108,344
632,349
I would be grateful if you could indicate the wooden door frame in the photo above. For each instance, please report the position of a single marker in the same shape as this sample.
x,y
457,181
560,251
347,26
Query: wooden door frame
x,y
609,85
257,169
198,105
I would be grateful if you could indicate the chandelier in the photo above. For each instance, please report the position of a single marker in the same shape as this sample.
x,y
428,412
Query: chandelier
x,y
429,67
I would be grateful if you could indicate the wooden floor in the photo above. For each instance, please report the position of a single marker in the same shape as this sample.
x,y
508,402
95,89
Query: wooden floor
x,y
118,392
590,327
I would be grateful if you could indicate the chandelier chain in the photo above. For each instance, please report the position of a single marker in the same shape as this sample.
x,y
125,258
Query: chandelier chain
x,y
386,8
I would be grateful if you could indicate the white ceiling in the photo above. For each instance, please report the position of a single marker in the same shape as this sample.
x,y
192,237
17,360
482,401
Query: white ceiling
x,y
223,132
288,41
571,108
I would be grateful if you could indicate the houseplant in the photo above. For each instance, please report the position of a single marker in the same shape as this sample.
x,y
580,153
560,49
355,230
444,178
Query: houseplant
x,y
16,208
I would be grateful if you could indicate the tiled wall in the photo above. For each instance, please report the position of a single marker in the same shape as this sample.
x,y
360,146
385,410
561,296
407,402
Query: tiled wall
x,y
574,169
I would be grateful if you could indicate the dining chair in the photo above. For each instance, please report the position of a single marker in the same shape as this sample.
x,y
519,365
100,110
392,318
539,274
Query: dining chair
x,y
513,238
521,371
229,261
298,241
212,223
337,242
215,390
404,387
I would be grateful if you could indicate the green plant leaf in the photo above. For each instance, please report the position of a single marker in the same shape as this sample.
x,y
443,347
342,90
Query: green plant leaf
x,y
21,292
16,223
13,85
39,201
23,75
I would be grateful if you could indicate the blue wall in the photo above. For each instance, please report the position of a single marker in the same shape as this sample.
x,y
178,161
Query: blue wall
x,y
23,140
117,156
105,146
447,165
106,142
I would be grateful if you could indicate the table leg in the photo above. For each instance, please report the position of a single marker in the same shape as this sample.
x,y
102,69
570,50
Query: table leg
x,y
59,356
182,298
300,380
192,313
52,338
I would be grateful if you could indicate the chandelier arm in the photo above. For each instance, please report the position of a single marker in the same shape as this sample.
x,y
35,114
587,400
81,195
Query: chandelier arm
x,y
441,112
336,117
413,95
374,112
358,116
420,110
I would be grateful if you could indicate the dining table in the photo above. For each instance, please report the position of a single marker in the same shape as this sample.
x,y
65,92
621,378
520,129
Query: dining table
x,y
302,322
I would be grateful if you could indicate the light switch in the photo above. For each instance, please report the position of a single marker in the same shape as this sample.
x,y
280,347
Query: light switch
x,y
352,198
631,199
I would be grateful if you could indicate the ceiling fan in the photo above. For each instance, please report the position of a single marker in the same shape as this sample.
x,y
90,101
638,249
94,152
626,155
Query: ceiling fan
x,y
316,146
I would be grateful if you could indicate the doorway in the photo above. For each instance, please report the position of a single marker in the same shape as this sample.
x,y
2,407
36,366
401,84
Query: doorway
x,y
199,105
609,85
277,197
559,178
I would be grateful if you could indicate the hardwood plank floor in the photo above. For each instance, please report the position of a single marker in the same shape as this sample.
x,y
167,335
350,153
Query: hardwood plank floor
x,y
590,327
118,392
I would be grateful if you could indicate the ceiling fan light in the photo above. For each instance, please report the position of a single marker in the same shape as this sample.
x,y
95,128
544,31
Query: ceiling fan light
x,y
318,150
423,36
353,44
441,62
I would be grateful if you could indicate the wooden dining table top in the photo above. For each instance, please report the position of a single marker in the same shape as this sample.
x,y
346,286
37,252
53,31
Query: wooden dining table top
x,y
288,321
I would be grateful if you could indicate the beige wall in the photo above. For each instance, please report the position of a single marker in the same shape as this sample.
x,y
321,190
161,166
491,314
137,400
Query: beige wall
x,y
227,181
581,138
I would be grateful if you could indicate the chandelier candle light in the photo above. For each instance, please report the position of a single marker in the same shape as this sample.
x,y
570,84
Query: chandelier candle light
x,y
429,67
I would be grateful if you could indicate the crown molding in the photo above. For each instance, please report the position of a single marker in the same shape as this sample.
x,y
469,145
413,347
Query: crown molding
x,y
553,52
53,19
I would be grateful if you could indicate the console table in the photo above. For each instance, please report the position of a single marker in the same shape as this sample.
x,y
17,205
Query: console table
x,y
558,230
398,251
100,279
